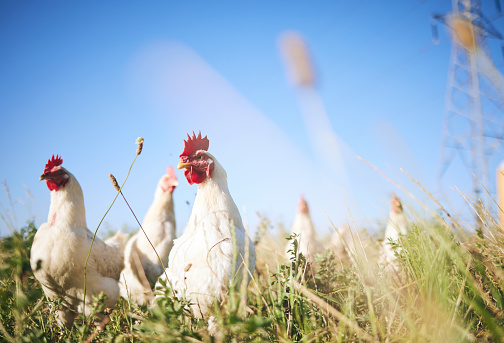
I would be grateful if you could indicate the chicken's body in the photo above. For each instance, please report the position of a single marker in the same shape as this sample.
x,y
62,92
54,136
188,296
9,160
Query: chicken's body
x,y
118,240
60,248
396,225
308,241
201,262
141,263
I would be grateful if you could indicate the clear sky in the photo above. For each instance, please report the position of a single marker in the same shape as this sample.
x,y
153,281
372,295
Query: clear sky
x,y
84,79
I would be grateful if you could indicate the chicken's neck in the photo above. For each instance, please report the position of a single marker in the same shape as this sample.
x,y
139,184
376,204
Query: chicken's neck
x,y
396,224
67,206
161,209
213,197
303,225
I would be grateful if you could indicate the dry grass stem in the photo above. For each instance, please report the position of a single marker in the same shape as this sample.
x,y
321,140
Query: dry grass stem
x,y
331,311
490,195
471,204
192,339
459,298
245,260
152,245
99,327
397,290
493,199
437,202
386,177
358,235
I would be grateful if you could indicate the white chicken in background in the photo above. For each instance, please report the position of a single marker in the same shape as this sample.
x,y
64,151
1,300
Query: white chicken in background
x,y
118,240
396,225
61,245
308,241
141,264
200,265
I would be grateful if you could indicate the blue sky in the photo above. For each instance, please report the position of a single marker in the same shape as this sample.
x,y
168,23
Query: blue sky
x,y
84,79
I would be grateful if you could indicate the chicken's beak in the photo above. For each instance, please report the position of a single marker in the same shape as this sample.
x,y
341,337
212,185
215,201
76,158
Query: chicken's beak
x,y
183,165
44,176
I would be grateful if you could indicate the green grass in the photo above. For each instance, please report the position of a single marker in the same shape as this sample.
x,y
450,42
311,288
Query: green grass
x,y
448,287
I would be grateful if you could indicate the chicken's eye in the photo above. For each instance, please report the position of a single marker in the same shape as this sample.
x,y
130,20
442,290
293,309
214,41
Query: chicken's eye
x,y
200,157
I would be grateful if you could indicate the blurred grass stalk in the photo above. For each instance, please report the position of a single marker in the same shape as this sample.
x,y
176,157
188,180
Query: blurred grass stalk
x,y
325,143
500,194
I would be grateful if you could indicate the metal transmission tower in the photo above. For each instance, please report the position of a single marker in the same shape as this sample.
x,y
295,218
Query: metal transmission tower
x,y
474,118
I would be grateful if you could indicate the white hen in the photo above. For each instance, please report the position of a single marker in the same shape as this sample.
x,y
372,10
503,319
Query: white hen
x,y
61,245
201,261
308,241
396,225
141,263
118,240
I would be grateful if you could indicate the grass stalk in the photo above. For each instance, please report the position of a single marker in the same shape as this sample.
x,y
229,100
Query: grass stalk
x,y
331,311
453,220
96,231
152,245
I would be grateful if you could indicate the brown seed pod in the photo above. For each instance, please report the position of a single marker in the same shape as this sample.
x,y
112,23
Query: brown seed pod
x,y
139,143
114,182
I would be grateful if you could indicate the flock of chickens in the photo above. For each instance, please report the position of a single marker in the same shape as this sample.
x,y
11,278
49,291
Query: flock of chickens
x,y
198,265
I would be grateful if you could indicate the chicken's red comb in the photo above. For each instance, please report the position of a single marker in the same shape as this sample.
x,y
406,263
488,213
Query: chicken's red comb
x,y
302,205
193,144
53,162
170,171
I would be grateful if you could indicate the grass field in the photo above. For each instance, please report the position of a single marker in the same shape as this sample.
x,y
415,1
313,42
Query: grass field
x,y
448,286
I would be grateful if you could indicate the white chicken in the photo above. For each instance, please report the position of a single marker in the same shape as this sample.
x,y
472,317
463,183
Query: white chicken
x,y
118,240
61,245
308,241
200,265
396,225
141,263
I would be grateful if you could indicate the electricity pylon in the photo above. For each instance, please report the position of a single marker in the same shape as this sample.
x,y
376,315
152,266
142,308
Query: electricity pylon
x,y
474,117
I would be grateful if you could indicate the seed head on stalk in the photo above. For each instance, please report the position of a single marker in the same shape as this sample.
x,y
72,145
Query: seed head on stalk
x,y
139,143
114,182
